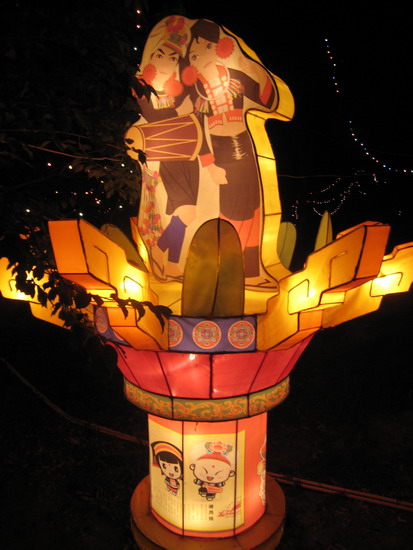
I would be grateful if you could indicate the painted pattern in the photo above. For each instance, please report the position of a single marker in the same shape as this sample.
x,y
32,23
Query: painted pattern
x,y
267,399
206,334
175,333
210,409
207,409
241,334
228,334
101,320
150,402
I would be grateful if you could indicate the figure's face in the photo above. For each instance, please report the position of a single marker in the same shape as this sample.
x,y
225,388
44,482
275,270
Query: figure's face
x,y
165,61
173,471
202,54
212,471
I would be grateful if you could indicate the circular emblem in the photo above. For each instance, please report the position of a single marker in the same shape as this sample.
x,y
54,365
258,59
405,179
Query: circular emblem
x,y
101,321
206,334
175,333
241,334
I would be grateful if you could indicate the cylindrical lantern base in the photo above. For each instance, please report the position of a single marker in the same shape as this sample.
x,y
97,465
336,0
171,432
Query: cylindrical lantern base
x,y
150,534
208,478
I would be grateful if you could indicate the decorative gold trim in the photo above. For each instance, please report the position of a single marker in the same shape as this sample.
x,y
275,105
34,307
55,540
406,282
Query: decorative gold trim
x,y
267,399
153,403
204,410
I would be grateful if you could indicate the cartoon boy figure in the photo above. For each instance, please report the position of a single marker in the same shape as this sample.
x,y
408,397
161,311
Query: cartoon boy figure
x,y
169,459
213,469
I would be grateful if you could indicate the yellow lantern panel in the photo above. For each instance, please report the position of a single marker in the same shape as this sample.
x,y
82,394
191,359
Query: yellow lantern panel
x,y
145,333
89,258
8,283
208,479
355,256
214,273
396,272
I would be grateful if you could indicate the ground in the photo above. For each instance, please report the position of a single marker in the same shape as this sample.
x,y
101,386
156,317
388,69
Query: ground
x,y
347,422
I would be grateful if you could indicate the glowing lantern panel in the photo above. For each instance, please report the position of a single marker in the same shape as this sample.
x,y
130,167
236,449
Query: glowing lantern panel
x,y
208,479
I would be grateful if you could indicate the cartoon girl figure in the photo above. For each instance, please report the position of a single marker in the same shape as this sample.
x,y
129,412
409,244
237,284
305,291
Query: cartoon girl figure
x,y
169,459
212,469
221,78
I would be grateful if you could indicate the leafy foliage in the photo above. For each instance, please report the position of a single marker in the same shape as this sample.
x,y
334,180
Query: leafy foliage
x,y
28,249
65,106
67,90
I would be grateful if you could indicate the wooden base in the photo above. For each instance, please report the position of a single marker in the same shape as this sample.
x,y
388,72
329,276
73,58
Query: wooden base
x,y
149,534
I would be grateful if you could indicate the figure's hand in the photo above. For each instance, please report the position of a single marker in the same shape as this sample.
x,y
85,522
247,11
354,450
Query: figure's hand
x,y
186,107
218,175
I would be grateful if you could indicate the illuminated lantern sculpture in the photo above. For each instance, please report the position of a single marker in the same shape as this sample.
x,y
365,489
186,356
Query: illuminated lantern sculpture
x,y
206,247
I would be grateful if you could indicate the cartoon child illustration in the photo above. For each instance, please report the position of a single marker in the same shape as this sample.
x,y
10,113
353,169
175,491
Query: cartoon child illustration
x,y
212,469
169,459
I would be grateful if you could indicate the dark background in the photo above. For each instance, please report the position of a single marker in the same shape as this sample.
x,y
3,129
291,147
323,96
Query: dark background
x,y
348,420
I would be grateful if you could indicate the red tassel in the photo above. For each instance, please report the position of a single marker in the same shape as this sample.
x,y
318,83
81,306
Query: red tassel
x,y
225,47
149,73
189,75
172,87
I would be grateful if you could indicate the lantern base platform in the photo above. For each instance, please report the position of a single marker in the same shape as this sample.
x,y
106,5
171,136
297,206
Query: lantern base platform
x,y
149,534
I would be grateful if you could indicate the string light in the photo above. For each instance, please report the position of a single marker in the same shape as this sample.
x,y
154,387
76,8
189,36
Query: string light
x,y
295,210
335,202
333,196
360,142
93,202
333,64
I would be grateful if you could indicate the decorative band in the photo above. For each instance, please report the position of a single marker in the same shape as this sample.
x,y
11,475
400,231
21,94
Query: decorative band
x,y
206,410
194,335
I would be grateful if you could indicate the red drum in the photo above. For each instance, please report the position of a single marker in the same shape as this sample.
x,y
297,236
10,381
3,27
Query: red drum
x,y
177,138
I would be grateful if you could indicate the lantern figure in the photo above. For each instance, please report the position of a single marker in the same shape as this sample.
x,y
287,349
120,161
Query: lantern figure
x,y
210,245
